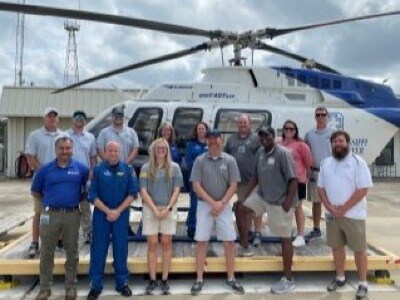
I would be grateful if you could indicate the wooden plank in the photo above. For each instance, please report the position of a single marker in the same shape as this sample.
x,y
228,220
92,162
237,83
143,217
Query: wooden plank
x,y
11,221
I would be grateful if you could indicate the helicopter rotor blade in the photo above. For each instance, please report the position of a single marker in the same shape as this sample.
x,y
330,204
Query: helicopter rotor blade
x,y
274,32
262,46
145,63
107,18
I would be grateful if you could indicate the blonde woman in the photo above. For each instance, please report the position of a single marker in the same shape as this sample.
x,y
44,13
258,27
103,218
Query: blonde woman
x,y
160,183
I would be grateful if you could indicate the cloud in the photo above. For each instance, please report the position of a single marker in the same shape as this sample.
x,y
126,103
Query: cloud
x,y
368,49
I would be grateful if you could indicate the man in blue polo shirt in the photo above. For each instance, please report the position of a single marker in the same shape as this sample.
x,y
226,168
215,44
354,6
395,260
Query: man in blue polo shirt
x,y
111,191
59,185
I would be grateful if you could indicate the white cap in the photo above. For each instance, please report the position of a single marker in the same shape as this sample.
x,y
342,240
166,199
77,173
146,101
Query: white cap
x,y
48,110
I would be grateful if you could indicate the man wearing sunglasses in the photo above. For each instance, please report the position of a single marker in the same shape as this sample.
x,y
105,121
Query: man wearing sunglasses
x,y
318,139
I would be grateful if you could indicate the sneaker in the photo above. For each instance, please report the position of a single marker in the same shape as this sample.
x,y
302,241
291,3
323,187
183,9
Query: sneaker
x,y
70,294
336,285
33,249
299,241
164,287
235,286
283,286
86,238
196,288
151,287
257,239
93,295
125,291
315,233
43,295
362,292
245,251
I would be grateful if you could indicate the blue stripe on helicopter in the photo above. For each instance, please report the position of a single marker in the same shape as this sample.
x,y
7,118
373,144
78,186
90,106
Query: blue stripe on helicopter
x,y
377,99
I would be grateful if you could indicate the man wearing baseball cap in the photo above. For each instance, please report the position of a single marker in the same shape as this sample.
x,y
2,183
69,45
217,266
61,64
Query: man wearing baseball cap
x,y
40,150
277,195
84,152
125,136
214,176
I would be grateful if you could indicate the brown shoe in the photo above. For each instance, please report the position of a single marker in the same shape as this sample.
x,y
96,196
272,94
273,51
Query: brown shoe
x,y
70,294
43,295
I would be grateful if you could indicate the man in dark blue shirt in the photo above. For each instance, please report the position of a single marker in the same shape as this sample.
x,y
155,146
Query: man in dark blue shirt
x,y
112,190
59,185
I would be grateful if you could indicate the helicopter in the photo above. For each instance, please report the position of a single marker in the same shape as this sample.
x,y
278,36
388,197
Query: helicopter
x,y
270,95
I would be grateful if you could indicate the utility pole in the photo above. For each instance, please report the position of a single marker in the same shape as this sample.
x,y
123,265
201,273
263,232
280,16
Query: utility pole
x,y
19,49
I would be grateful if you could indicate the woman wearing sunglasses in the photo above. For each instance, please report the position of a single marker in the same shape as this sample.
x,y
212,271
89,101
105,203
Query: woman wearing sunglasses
x,y
303,160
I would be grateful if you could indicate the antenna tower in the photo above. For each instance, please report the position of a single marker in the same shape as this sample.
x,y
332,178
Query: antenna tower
x,y
71,70
19,48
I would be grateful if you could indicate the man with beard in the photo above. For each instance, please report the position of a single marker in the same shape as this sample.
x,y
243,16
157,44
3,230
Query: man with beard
x,y
343,183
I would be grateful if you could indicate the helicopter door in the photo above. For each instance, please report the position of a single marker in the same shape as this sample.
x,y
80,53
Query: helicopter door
x,y
183,122
226,119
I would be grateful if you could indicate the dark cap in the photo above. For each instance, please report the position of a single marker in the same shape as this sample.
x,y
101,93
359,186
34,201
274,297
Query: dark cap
x,y
213,133
79,114
118,110
266,130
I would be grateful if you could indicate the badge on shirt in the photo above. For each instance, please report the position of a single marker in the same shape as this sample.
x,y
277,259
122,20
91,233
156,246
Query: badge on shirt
x,y
120,173
241,149
271,161
224,167
107,173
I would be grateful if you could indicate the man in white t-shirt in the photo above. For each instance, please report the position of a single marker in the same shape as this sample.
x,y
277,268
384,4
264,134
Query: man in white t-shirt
x,y
343,183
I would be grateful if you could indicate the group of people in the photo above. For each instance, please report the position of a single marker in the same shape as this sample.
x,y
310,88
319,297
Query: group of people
x,y
268,175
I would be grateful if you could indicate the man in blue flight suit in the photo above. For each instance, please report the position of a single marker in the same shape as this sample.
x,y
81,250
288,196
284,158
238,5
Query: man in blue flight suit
x,y
112,190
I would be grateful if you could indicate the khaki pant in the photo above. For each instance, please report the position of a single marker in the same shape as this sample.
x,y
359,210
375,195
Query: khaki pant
x,y
86,216
67,225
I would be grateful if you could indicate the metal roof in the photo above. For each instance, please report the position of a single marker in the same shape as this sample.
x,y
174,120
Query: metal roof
x,y
31,101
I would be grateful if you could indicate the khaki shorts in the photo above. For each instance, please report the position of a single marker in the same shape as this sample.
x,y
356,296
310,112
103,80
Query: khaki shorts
x,y
153,226
38,205
279,221
312,192
344,231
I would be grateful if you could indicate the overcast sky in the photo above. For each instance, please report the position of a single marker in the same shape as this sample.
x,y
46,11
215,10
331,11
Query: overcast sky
x,y
368,49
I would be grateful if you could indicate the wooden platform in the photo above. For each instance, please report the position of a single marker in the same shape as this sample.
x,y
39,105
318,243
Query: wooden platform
x,y
267,258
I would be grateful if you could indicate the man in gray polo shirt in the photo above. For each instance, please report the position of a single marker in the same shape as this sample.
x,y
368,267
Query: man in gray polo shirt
x,y
277,195
125,136
215,175
40,150
243,147
84,152
318,139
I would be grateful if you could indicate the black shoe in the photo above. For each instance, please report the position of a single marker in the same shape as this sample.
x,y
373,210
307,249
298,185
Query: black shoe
x,y
315,233
125,291
33,249
362,292
196,288
336,285
60,245
86,238
93,295
151,287
164,287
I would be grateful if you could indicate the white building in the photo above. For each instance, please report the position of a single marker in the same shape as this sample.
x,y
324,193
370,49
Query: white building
x,y
23,107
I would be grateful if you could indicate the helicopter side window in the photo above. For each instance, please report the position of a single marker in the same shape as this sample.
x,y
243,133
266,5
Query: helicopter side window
x,y
103,123
145,122
337,84
314,82
325,83
226,119
183,123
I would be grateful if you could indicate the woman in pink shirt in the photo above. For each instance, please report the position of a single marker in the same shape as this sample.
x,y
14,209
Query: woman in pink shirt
x,y
303,161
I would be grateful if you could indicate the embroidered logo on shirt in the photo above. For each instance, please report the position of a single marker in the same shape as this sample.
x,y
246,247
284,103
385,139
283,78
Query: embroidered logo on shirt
x,y
120,173
107,173
73,172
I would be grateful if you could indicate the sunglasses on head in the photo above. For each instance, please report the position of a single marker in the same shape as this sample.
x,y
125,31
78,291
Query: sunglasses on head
x,y
320,115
